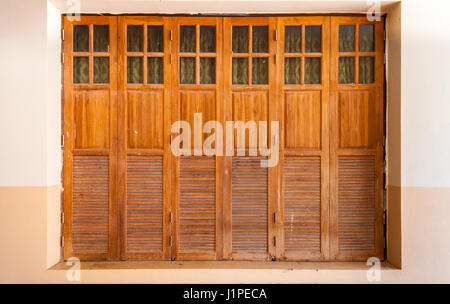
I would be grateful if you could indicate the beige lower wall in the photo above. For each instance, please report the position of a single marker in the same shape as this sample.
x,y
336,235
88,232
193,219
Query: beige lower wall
x,y
26,247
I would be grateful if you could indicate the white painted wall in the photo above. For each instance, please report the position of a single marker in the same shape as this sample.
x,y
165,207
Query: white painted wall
x,y
426,93
23,85
53,106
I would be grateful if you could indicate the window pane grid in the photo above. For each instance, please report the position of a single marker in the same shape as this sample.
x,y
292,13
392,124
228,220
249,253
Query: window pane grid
x,y
356,52
250,54
197,54
91,50
302,54
147,43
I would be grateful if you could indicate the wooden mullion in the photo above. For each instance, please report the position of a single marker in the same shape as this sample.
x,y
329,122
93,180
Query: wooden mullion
x,y
145,55
114,242
357,53
227,160
272,183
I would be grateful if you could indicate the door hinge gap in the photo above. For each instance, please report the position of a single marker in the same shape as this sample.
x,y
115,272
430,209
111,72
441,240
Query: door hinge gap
x,y
274,240
62,217
276,35
170,34
170,241
62,241
171,217
62,34
170,58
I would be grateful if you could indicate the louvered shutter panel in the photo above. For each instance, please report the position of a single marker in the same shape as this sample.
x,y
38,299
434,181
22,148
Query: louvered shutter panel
x,y
90,206
356,205
302,204
249,208
144,209
197,207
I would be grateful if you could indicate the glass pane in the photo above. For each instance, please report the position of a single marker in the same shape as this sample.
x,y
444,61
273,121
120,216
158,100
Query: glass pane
x,y
366,70
208,39
101,38
346,70
313,39
80,69
101,69
260,39
240,39
187,70
155,38
207,70
292,70
346,38
366,38
134,70
292,39
134,38
313,70
260,71
81,38
155,70
187,39
240,70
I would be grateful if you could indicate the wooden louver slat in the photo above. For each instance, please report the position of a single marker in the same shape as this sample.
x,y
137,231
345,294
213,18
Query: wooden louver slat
x,y
302,203
144,204
249,205
356,204
197,204
90,204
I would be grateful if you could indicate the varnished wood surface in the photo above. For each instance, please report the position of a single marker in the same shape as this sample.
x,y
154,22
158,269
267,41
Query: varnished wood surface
x,y
330,147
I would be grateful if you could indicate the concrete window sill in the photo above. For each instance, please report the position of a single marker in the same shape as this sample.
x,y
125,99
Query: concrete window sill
x,y
223,265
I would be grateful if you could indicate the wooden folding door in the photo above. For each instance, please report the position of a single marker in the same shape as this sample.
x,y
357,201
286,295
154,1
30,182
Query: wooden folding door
x,y
249,96
197,100
90,139
303,84
356,166
144,159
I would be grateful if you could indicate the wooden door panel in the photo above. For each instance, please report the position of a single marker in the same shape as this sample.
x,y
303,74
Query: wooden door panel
x,y
250,106
92,119
303,120
145,119
357,119
194,103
